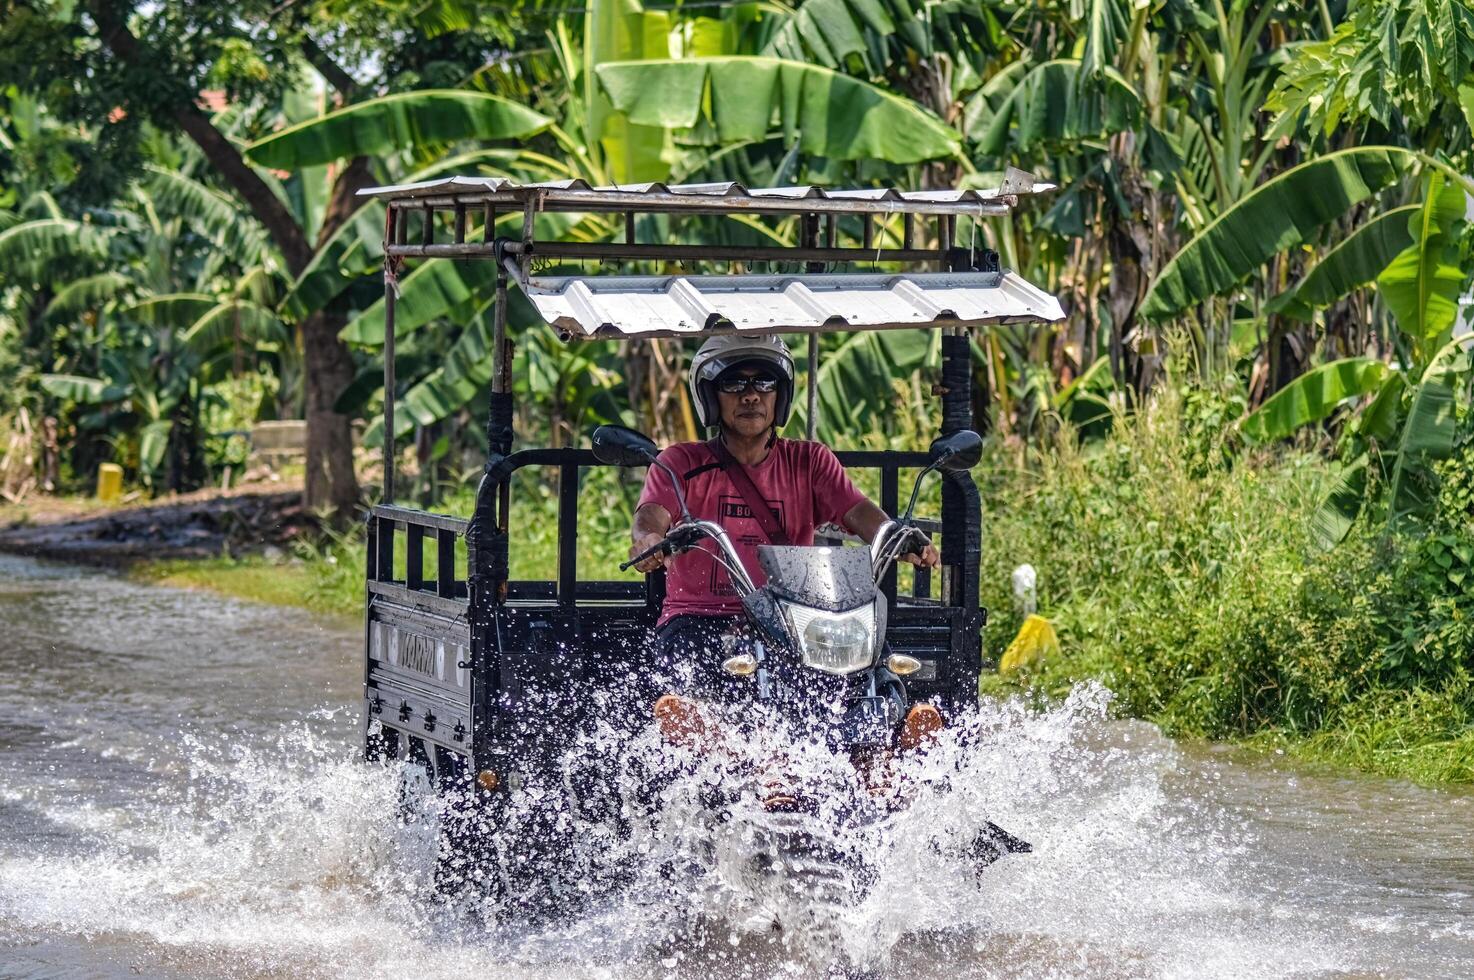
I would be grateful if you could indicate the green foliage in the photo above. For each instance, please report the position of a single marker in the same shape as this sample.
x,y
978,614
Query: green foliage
x,y
384,125
1184,574
1051,108
1313,396
1355,261
1283,212
1387,59
824,113
870,36
1423,283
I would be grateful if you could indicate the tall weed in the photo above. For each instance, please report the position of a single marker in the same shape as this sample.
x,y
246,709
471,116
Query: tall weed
x,y
1180,569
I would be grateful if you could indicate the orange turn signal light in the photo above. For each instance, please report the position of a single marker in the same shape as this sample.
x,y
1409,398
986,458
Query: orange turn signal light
x,y
902,665
742,665
488,780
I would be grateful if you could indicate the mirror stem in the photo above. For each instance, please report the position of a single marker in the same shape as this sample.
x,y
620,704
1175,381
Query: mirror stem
x,y
675,483
916,488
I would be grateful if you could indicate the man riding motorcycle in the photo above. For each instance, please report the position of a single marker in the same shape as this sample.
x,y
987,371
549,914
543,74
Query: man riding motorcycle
x,y
762,489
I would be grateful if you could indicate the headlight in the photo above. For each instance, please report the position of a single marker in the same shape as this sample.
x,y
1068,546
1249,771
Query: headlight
x,y
836,643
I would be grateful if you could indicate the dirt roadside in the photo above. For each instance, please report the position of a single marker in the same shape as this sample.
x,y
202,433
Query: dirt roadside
x,y
205,524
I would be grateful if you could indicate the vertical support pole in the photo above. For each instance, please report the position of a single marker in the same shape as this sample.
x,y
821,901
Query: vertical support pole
x,y
629,227
961,507
460,224
810,238
445,564
391,289
567,533
867,231
890,486
488,225
500,369
908,230
384,549
962,521
401,225
499,429
812,421
529,226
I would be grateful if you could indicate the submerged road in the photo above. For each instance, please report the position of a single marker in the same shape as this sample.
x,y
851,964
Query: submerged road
x,y
179,798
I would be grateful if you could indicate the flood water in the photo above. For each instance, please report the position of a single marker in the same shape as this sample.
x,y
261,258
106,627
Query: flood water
x,y
179,798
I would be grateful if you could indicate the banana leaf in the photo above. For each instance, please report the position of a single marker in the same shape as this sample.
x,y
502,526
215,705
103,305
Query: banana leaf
x,y
1334,518
355,249
174,311
1423,284
434,289
1050,106
1281,213
827,114
1312,396
208,213
1355,261
87,293
34,244
234,321
396,122
83,391
856,381
1430,432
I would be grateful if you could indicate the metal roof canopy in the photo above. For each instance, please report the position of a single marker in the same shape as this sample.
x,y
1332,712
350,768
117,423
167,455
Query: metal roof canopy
x,y
641,307
968,289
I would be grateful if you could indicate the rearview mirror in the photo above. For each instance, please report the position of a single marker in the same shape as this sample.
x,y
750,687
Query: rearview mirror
x,y
959,450
616,445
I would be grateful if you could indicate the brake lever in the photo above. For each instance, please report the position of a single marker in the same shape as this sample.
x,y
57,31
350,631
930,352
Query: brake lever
x,y
679,539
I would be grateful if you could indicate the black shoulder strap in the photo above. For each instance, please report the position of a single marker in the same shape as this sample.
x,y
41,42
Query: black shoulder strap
x,y
696,471
737,473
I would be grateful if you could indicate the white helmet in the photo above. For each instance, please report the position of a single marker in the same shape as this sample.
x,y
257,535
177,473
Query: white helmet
x,y
725,351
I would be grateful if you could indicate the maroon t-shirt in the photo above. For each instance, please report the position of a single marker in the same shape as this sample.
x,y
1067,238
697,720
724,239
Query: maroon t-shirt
x,y
803,483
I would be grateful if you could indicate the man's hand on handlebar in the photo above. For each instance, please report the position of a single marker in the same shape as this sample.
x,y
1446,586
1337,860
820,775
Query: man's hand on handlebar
x,y
644,542
927,557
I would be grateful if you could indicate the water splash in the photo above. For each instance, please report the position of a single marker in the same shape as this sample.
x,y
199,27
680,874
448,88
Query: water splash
x,y
288,856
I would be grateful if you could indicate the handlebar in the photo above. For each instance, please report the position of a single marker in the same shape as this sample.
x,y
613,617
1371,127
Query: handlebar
x,y
684,536
893,540
660,547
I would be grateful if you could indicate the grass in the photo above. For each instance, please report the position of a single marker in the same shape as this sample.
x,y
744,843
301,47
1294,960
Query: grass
x,y
293,582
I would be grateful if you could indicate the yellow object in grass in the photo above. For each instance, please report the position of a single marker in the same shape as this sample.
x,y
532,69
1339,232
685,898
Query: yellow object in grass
x,y
110,483
1036,639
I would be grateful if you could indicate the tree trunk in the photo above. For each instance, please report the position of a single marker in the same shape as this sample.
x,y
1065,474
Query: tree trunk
x,y
331,484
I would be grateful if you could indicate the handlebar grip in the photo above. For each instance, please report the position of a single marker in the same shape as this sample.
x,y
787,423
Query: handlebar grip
x,y
663,547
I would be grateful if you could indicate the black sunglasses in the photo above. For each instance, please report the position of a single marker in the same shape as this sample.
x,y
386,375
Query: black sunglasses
x,y
736,386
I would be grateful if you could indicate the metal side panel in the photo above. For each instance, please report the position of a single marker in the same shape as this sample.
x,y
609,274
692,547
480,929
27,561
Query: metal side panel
x,y
939,637
416,681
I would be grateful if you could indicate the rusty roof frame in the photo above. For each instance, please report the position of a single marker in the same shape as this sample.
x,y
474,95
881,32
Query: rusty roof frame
x,y
728,197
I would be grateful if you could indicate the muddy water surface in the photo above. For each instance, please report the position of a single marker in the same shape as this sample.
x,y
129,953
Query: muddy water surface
x,y
179,798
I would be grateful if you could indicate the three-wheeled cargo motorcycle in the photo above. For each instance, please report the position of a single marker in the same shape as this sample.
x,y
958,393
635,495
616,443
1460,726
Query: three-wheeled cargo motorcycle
x,y
483,683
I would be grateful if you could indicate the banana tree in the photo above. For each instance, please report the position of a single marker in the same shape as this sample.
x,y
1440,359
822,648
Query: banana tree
x,y
1410,422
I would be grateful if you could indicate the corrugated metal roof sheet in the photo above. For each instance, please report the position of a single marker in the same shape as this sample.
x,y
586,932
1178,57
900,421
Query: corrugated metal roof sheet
x,y
675,306
573,194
